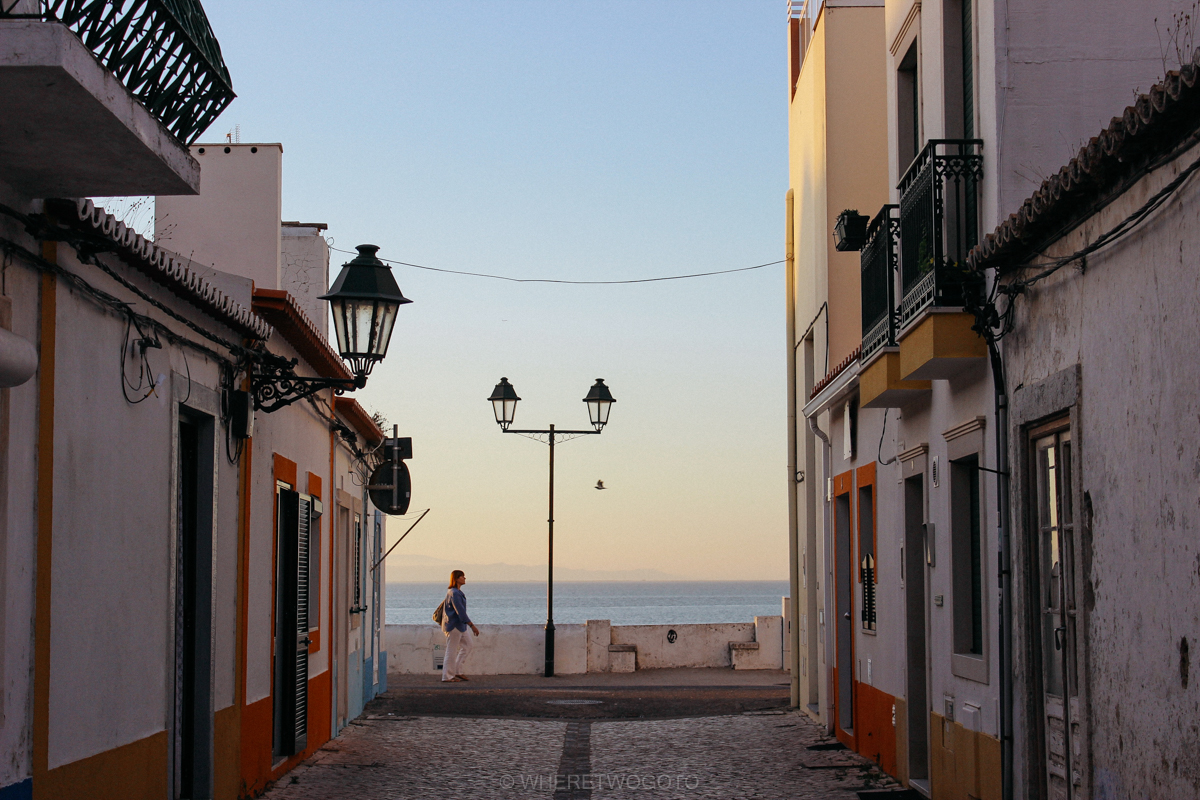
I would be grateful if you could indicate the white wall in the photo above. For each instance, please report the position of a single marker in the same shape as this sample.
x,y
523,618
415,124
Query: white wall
x,y
112,632
520,649
304,270
233,224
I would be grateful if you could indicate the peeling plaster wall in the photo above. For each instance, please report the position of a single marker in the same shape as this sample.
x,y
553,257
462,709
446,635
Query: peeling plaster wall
x,y
304,271
1129,323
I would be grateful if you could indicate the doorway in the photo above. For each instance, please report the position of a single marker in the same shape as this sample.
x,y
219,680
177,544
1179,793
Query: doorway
x,y
1056,638
844,588
193,713
916,644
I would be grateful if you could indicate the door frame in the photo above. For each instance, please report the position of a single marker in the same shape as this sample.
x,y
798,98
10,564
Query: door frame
x,y
1053,399
843,486
196,404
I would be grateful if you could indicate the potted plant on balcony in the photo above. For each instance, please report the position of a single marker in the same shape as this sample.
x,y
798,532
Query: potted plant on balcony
x,y
850,233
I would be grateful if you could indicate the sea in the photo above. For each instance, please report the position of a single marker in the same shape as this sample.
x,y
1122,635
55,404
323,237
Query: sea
x,y
622,602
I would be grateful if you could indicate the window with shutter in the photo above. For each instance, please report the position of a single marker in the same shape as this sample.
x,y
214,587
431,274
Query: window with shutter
x,y
291,622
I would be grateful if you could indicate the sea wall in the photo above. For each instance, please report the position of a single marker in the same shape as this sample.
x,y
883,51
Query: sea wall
x,y
595,646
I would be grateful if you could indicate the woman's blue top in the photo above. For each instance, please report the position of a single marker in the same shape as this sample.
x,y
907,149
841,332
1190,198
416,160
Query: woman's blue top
x,y
454,613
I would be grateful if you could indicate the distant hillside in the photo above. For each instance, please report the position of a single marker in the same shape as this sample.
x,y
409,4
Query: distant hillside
x,y
427,569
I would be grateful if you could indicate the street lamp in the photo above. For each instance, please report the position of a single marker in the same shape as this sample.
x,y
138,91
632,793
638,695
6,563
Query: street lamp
x,y
364,300
504,404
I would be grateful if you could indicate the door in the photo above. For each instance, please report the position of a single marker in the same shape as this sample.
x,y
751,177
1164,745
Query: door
x,y
291,623
915,640
191,741
843,589
341,612
1054,554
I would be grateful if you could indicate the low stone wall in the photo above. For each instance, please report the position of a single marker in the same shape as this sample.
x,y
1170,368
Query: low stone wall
x,y
597,646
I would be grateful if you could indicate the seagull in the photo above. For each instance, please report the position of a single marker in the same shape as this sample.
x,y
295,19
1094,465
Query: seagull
x,y
600,485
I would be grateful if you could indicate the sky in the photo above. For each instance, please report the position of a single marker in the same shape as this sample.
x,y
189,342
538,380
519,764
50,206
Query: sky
x,y
579,141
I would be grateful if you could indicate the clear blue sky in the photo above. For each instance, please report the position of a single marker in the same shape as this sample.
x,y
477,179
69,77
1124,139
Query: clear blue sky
x,y
594,141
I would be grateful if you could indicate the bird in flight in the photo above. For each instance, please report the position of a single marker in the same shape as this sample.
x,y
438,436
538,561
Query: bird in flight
x,y
600,485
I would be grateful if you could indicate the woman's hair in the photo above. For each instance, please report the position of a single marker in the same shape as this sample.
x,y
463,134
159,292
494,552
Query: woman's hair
x,y
454,576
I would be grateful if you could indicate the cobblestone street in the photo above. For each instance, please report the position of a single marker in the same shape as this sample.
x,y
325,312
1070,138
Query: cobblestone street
x,y
748,755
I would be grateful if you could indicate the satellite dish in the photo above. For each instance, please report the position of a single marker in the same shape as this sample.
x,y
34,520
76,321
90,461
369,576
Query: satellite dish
x,y
387,500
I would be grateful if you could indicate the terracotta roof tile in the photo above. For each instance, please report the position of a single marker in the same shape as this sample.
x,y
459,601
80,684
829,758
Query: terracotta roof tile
x,y
1159,121
170,270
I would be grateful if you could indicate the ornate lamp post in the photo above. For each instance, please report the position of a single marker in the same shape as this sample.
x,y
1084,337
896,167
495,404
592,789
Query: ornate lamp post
x,y
364,300
504,403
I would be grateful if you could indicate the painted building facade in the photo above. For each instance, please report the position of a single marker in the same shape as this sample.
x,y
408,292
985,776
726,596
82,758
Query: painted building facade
x,y
906,642
189,601
1099,266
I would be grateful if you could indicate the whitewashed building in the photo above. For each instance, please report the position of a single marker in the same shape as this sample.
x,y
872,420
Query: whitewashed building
x,y
153,549
906,610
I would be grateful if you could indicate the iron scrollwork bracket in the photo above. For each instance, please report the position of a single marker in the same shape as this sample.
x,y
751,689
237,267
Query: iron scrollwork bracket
x,y
276,384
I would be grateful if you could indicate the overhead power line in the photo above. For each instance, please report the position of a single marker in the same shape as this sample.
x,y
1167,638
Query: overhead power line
x,y
557,280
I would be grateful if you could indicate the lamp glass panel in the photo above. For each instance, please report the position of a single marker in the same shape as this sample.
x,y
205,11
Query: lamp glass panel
x,y
598,411
339,324
364,327
504,410
387,321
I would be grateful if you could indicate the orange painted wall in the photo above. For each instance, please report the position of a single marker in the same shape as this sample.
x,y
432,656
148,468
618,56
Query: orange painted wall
x,y
874,730
257,733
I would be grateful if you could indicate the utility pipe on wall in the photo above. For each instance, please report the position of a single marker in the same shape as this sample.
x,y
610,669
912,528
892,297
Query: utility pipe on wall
x,y
826,466
1003,526
793,632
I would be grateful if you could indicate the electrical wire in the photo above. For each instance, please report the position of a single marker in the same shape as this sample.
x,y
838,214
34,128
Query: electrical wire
x,y
882,430
994,323
563,281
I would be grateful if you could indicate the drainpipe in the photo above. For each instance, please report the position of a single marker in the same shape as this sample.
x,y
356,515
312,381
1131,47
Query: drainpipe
x,y
793,632
826,466
1003,526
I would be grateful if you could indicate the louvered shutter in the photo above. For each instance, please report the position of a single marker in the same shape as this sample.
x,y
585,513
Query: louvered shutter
x,y
291,623
304,525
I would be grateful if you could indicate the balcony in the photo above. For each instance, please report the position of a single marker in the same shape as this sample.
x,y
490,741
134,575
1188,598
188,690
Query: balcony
x,y
880,385
879,256
101,98
939,210
939,224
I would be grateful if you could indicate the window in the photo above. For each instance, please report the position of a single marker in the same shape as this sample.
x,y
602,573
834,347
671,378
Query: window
x,y
867,574
908,108
357,564
967,554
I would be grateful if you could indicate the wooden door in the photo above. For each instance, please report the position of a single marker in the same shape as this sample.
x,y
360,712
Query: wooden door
x,y
1055,586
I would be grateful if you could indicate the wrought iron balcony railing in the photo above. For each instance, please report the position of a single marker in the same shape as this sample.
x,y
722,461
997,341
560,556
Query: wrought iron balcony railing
x,y
878,284
939,210
164,51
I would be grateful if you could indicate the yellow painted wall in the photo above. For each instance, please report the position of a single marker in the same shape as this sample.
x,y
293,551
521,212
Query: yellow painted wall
x,y
130,772
837,128
857,152
963,764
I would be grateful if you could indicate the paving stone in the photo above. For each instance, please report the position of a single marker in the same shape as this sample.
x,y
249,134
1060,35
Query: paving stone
x,y
756,755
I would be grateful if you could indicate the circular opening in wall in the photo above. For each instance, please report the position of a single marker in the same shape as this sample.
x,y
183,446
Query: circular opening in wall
x,y
227,149
200,151
253,149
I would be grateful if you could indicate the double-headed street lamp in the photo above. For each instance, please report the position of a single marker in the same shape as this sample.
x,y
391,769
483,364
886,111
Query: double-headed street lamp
x,y
504,403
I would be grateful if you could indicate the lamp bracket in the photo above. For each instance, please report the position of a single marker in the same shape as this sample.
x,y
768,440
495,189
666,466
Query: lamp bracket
x,y
275,383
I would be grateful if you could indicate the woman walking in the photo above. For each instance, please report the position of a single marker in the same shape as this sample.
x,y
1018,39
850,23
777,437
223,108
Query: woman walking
x,y
454,624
